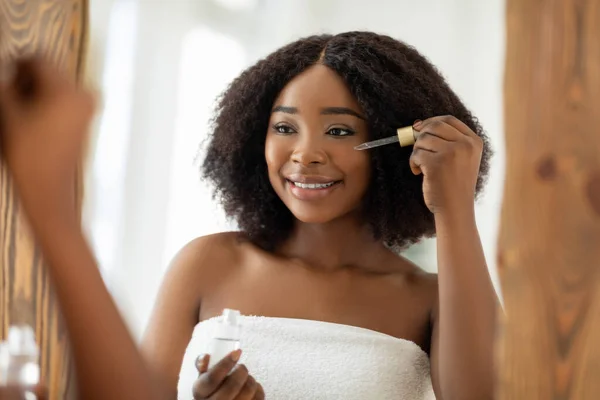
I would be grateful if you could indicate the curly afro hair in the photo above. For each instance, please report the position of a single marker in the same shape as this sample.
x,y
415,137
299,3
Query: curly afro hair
x,y
393,83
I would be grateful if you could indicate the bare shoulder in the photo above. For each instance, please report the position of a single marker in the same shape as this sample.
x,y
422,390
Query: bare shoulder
x,y
200,265
429,280
425,283
207,257
216,246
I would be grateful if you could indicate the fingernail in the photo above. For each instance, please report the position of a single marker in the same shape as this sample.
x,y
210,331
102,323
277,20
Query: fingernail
x,y
417,124
235,355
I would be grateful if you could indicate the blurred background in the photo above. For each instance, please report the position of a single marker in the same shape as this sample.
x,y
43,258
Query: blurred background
x,y
160,64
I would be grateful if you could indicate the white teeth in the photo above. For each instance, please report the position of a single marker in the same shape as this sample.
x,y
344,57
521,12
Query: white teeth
x,y
313,185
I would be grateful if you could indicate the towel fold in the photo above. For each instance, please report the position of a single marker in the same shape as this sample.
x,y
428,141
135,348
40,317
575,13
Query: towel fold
x,y
298,359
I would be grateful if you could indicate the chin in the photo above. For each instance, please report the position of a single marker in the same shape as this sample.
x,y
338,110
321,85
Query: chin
x,y
315,216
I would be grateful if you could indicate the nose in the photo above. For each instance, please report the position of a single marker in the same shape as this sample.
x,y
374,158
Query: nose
x,y
308,152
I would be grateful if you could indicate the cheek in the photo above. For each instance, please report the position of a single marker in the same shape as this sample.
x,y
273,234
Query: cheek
x,y
363,175
358,168
274,156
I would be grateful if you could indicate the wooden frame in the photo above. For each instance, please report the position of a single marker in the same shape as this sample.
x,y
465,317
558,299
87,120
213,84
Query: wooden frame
x,y
549,244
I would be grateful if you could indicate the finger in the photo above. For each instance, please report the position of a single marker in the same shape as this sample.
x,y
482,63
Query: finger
x,y
459,125
260,393
207,383
202,363
234,383
417,160
430,142
438,127
224,367
249,389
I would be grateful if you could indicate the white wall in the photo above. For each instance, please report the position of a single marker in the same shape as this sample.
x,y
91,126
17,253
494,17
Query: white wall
x,y
147,200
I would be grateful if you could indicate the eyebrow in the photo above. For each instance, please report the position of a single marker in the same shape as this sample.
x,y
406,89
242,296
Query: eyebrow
x,y
324,111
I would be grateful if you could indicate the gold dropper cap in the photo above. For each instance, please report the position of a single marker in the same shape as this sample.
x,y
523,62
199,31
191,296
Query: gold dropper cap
x,y
406,136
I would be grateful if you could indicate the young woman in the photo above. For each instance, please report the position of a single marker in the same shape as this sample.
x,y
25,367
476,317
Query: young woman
x,y
331,309
343,315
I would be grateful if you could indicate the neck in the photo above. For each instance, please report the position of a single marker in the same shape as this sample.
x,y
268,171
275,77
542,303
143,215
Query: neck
x,y
339,244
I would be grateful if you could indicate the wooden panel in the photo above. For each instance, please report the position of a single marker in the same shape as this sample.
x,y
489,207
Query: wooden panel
x,y
549,244
57,28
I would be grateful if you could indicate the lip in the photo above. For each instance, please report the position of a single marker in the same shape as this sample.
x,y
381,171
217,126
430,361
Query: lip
x,y
310,178
311,194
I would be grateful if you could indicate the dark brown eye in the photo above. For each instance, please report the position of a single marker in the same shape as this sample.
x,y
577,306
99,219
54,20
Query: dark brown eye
x,y
340,132
283,129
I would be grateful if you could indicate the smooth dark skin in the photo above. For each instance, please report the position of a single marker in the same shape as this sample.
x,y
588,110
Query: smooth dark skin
x,y
331,269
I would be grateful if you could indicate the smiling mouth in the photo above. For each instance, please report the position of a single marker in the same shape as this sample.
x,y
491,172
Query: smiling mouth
x,y
314,186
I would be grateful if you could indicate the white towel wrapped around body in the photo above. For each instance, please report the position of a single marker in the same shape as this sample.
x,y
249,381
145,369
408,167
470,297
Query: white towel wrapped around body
x,y
297,359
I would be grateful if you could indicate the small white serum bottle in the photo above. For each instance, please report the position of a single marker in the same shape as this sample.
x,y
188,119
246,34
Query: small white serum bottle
x,y
19,357
226,336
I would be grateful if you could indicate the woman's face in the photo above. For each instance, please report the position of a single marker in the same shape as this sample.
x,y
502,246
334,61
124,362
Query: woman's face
x,y
315,124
